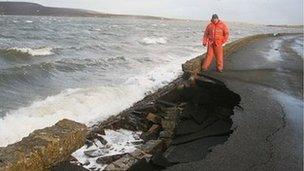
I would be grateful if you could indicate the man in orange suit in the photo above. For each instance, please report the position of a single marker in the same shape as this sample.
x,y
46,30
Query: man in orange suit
x,y
216,34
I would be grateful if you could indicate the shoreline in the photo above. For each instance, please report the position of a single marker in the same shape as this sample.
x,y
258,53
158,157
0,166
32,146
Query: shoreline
x,y
190,69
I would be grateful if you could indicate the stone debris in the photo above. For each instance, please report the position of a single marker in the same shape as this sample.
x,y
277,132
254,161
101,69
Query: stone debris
x,y
109,159
181,119
152,133
152,146
166,134
119,143
127,161
153,118
123,163
139,154
97,152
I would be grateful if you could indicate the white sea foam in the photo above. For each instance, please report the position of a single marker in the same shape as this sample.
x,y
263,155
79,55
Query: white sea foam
x,y
118,142
43,51
28,21
154,40
88,105
83,105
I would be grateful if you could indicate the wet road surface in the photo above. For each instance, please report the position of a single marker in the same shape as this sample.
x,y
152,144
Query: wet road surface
x,y
268,132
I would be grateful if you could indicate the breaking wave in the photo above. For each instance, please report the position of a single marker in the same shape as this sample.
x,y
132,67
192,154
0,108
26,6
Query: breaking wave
x,y
22,52
154,40
85,105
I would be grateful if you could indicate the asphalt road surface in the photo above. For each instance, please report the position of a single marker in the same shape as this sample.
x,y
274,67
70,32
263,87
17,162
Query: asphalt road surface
x,y
268,132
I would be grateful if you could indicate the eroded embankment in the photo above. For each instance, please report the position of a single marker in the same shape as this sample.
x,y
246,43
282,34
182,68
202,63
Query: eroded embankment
x,y
203,121
181,125
177,119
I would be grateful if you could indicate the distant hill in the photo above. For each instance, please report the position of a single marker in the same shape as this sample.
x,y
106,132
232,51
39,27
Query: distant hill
x,y
26,8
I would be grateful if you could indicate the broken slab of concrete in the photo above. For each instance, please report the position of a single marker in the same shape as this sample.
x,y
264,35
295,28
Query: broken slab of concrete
x,y
197,112
152,133
128,160
108,159
195,150
44,148
96,152
123,163
218,128
190,126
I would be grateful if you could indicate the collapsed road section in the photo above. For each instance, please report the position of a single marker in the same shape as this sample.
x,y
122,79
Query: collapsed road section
x,y
203,122
179,126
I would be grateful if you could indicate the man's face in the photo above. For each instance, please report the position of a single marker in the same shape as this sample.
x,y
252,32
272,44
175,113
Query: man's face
x,y
215,21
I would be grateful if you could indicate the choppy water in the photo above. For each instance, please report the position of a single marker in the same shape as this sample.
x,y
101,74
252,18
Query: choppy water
x,y
88,69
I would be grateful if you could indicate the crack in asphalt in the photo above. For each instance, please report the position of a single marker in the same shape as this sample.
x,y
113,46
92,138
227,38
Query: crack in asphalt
x,y
269,137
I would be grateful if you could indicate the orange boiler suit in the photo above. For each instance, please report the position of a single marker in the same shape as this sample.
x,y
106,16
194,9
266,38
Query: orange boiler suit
x,y
216,34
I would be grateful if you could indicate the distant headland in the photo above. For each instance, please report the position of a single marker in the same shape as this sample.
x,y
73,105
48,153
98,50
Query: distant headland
x,y
34,9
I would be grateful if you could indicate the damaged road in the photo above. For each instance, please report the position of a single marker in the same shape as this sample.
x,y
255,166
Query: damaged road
x,y
267,133
247,118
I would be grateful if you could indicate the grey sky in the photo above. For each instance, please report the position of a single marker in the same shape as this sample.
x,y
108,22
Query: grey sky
x,y
253,11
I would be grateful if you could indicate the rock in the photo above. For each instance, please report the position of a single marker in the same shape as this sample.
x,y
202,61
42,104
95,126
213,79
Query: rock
x,y
152,133
128,160
114,124
102,140
123,163
88,143
44,148
147,108
95,136
154,128
87,162
108,159
137,142
96,153
153,146
165,134
153,118
139,154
